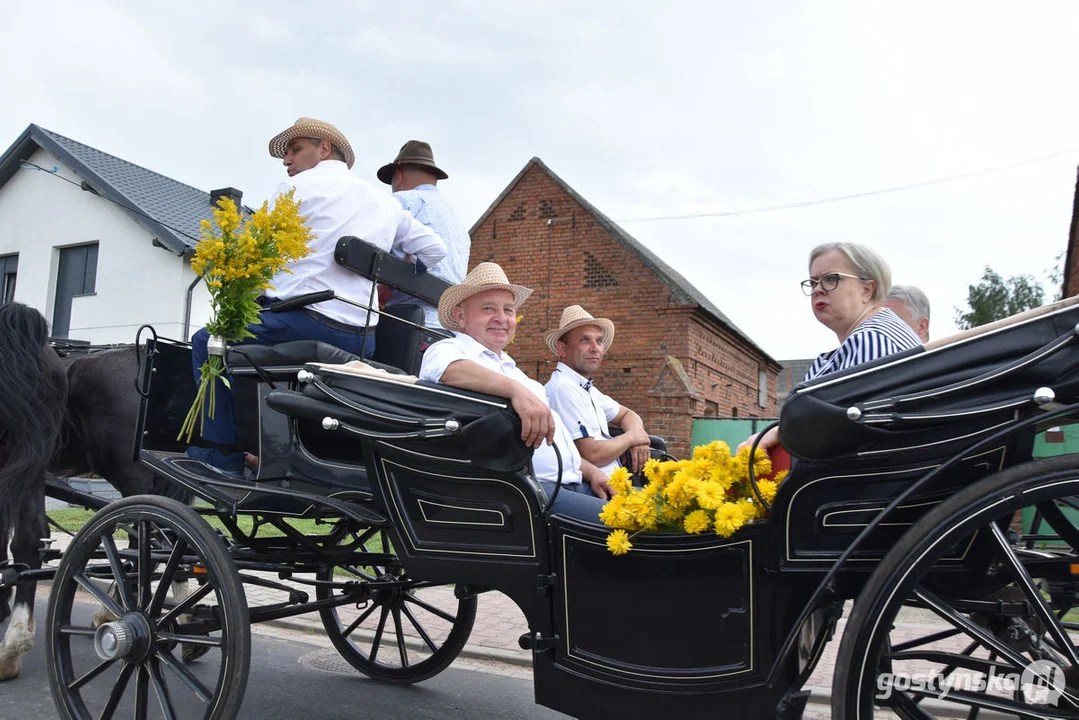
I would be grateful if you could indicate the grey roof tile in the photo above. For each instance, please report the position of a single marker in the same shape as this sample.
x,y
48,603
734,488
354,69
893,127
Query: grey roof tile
x,y
168,209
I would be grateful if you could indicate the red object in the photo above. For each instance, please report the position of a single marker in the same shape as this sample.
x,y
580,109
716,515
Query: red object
x,y
383,295
781,460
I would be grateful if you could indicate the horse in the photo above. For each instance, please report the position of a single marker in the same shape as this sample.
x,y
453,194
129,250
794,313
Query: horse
x,y
63,416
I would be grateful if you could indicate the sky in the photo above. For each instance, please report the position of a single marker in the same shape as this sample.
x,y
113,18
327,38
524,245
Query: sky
x,y
649,110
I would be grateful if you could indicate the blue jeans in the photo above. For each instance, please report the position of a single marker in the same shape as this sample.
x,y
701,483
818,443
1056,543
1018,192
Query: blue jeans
x,y
575,501
275,328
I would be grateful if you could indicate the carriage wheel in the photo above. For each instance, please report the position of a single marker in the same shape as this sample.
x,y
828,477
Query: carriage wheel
x,y
398,629
126,558
921,644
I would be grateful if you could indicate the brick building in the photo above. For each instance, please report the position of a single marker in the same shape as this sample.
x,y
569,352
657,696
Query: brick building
x,y
675,355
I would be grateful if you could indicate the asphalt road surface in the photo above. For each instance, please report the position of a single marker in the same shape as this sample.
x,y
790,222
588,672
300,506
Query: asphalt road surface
x,y
298,681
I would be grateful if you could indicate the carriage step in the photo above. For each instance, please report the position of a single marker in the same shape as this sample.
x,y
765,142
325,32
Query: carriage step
x,y
235,493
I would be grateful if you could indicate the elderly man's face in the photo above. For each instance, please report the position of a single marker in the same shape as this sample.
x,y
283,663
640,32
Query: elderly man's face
x,y
303,154
582,349
920,327
490,317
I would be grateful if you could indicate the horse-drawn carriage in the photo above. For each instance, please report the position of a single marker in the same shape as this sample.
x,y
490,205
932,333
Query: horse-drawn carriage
x,y
913,492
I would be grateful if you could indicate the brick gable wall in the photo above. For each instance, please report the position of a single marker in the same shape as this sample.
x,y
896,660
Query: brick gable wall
x,y
545,239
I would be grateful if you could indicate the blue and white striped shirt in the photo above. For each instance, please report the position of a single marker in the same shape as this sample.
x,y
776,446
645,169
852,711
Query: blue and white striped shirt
x,y
882,334
428,206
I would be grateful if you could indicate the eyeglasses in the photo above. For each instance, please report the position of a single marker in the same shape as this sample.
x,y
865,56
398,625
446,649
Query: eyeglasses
x,y
827,282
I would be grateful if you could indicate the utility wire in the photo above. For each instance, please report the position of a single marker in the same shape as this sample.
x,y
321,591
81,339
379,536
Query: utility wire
x,y
854,196
26,165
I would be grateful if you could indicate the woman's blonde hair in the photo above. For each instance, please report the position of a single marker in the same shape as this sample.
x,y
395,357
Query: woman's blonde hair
x,y
866,263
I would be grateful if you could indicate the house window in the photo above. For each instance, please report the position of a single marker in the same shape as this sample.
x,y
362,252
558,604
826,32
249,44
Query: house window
x,y
9,270
762,388
77,276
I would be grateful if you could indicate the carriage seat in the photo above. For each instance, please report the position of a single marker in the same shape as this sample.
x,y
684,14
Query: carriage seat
x,y
283,360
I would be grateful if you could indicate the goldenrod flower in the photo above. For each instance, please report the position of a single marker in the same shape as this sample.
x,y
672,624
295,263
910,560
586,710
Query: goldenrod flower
x,y
237,260
618,542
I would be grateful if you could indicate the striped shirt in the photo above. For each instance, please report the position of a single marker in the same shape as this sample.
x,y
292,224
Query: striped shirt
x,y
882,334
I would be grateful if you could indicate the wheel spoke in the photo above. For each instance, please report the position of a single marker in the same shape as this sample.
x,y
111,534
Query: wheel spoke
x,y
431,608
193,683
118,573
1034,596
377,642
100,595
142,691
186,604
908,709
161,689
975,631
1060,523
401,650
415,623
205,640
146,565
926,640
102,667
117,692
167,575
356,623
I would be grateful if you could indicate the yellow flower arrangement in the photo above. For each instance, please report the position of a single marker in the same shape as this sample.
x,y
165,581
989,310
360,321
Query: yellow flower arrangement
x,y
710,491
237,260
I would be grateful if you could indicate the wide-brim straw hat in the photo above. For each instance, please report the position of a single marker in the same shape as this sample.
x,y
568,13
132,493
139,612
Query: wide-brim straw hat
x,y
413,152
307,127
576,316
485,276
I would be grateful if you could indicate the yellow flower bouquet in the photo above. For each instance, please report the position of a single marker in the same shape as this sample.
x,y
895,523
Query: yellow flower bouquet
x,y
710,492
237,259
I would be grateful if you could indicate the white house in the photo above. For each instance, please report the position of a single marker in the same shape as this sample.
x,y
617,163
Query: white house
x,y
99,245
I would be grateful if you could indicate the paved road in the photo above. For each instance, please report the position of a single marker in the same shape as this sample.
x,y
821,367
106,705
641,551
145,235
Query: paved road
x,y
283,684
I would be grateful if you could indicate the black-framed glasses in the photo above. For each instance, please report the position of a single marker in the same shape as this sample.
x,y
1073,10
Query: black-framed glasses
x,y
827,282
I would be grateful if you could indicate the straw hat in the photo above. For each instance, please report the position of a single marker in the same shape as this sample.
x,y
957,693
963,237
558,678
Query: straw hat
x,y
485,276
307,127
413,152
576,316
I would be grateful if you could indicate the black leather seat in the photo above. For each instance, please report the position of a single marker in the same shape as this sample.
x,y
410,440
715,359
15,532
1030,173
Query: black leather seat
x,y
396,343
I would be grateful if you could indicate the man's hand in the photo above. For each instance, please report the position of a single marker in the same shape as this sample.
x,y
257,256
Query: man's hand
x,y
602,489
597,480
537,422
768,441
638,456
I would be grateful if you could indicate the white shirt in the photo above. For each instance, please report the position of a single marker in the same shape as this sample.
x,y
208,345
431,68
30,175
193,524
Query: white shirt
x,y
338,203
428,206
585,412
443,353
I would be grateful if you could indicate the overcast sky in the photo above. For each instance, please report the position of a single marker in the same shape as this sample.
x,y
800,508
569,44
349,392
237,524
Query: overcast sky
x,y
647,109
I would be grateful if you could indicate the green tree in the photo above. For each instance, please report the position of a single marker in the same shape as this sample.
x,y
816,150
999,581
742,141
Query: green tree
x,y
995,298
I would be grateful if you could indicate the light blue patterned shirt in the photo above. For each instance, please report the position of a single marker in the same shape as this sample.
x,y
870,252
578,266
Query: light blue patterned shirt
x,y
428,206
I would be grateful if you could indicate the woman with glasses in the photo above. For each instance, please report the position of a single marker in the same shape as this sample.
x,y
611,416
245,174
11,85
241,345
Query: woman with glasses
x,y
847,286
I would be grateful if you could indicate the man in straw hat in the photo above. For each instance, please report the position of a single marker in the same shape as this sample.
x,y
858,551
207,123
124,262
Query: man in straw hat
x,y
336,203
482,310
580,341
413,176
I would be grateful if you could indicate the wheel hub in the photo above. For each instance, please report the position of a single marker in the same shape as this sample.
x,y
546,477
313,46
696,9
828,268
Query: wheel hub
x,y
125,639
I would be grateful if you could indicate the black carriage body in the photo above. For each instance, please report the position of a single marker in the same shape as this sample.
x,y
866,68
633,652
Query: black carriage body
x,y
690,625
